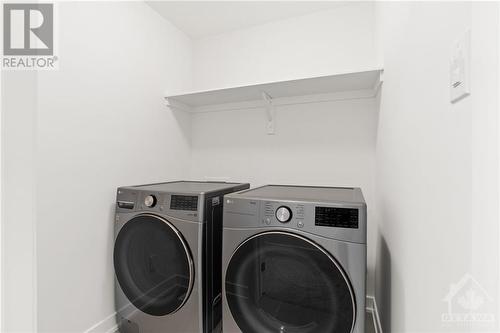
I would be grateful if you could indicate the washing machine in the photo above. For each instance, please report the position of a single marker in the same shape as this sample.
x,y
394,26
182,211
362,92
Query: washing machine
x,y
294,260
167,256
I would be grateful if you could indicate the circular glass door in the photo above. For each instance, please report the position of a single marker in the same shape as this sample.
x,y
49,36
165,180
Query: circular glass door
x,y
284,283
153,265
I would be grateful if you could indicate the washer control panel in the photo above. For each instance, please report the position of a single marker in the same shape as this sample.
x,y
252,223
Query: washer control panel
x,y
341,221
282,213
174,205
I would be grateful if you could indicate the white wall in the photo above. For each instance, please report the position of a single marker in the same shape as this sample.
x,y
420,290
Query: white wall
x,y
19,99
102,123
436,163
330,41
319,144
329,144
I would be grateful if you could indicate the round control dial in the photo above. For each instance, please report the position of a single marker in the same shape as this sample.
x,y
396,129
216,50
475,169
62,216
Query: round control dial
x,y
283,214
150,201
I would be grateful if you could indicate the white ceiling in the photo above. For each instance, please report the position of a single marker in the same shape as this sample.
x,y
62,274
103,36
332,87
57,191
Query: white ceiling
x,y
200,19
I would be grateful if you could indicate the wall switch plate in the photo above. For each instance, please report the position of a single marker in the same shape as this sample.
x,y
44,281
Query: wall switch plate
x,y
460,69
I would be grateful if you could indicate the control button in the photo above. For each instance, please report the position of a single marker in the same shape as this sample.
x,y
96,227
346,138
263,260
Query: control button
x,y
300,224
283,214
150,201
267,220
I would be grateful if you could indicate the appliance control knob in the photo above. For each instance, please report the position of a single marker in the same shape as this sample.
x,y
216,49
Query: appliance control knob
x,y
150,201
283,214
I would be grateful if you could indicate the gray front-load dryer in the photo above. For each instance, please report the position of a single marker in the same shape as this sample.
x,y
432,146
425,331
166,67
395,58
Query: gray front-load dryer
x,y
294,260
167,256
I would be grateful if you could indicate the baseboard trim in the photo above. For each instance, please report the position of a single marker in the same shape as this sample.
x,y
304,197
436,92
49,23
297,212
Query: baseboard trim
x,y
371,307
107,325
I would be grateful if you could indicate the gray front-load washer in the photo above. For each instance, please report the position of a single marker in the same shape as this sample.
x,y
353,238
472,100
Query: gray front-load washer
x,y
167,256
294,260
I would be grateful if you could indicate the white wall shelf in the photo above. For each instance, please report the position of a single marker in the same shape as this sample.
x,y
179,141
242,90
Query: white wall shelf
x,y
352,85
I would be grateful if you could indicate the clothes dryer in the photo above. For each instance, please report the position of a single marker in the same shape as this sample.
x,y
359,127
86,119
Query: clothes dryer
x,y
294,260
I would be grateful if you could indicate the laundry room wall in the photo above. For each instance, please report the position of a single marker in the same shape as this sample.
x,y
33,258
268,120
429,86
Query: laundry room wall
x,y
436,165
322,43
331,144
19,112
101,123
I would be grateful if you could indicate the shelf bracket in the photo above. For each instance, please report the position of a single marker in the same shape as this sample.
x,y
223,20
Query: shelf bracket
x,y
268,100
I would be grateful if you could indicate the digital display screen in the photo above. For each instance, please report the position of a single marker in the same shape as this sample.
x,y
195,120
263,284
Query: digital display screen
x,y
184,202
336,217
